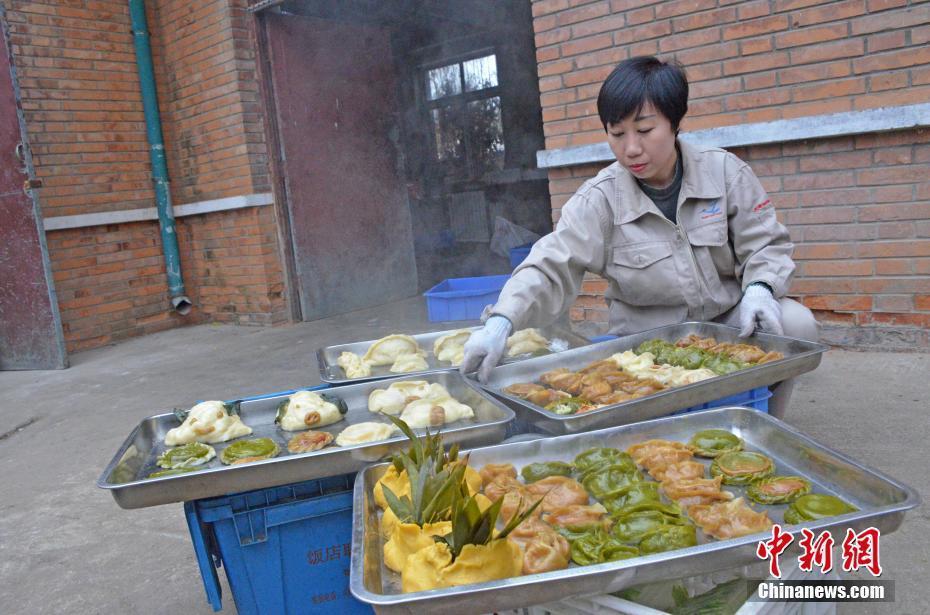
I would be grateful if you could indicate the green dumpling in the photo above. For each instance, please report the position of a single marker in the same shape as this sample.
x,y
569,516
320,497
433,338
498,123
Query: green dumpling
x,y
816,506
538,471
741,467
714,442
246,451
186,456
778,489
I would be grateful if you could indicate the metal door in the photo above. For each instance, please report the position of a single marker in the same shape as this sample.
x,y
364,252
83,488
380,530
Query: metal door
x,y
350,220
30,327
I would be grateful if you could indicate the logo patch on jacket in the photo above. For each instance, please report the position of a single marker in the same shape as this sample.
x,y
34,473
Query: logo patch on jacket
x,y
759,207
711,211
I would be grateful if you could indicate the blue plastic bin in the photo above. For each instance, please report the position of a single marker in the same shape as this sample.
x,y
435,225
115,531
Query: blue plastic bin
x,y
286,549
463,298
757,399
519,253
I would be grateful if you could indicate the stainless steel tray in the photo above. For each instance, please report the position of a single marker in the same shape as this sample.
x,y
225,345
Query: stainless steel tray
x,y
330,372
881,500
125,475
800,357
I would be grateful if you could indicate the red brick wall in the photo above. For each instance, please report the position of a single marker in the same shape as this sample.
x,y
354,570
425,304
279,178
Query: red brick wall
x,y
209,98
858,207
80,95
747,61
233,255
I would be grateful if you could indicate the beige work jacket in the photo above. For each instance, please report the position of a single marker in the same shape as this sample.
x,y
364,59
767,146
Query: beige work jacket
x,y
658,273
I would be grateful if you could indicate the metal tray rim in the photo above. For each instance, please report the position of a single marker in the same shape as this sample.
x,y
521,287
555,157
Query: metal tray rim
x,y
508,415
358,589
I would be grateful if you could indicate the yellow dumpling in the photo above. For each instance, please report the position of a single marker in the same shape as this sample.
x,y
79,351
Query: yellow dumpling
x,y
432,567
473,480
408,538
396,482
388,522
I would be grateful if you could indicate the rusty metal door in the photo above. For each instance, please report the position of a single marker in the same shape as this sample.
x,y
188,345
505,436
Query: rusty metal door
x,y
30,327
350,220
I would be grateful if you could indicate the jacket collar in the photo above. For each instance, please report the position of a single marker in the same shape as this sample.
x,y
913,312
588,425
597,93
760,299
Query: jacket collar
x,y
698,182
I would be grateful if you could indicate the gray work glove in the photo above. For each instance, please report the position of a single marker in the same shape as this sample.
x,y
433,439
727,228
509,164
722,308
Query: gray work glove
x,y
485,347
759,304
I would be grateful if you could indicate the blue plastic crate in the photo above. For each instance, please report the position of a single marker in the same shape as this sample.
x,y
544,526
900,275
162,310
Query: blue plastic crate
x,y
463,298
757,399
519,253
286,549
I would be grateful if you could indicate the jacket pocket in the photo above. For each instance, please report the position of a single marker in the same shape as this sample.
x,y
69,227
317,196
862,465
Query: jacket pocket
x,y
711,235
645,274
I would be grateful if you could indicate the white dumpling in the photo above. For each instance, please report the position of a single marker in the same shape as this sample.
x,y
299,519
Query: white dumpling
x,y
690,376
406,363
360,433
411,388
386,350
525,341
207,422
386,401
631,362
393,399
306,409
353,365
451,347
432,412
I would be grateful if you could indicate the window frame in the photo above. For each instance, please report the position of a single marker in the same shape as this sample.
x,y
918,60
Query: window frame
x,y
459,104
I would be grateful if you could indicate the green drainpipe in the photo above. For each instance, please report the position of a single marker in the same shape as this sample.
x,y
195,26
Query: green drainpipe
x,y
169,236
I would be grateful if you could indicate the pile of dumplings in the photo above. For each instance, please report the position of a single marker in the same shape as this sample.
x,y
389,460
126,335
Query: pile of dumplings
x,y
399,351
404,355
419,404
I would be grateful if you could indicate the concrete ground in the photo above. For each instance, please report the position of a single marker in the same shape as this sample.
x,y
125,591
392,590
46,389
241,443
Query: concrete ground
x,y
66,547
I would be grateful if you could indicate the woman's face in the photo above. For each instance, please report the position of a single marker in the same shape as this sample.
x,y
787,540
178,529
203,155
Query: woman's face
x,y
644,143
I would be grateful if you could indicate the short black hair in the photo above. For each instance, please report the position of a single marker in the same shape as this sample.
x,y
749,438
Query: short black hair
x,y
644,79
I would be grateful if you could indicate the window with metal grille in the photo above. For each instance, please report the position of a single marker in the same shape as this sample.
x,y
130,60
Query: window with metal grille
x,y
464,105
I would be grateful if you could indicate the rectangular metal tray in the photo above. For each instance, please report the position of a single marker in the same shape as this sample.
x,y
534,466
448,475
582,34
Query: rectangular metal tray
x,y
800,357
125,474
330,372
881,500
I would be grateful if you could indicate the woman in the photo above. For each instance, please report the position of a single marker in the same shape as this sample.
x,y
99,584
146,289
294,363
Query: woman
x,y
680,232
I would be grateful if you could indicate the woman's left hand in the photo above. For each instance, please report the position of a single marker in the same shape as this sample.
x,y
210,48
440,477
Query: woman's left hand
x,y
759,304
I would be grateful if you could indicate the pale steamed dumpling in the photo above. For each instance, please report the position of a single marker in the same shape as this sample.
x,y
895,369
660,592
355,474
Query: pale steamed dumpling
x,y
386,350
525,341
207,422
451,347
632,362
306,409
644,366
406,363
393,399
353,365
360,433
433,412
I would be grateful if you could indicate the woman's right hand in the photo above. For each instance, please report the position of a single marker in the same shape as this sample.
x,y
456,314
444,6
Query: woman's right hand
x,y
485,347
